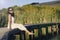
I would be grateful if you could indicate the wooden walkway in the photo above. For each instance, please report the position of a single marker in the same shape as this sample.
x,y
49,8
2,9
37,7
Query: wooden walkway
x,y
3,31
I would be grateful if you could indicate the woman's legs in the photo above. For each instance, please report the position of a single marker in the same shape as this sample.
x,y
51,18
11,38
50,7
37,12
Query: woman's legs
x,y
21,27
30,33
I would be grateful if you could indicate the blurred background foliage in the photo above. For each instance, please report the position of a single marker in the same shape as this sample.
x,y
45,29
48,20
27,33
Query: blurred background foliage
x,y
32,14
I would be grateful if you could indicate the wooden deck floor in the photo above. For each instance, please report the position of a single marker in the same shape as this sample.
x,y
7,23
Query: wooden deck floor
x,y
3,31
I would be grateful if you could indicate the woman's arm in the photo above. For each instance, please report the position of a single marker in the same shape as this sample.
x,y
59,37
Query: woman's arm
x,y
9,21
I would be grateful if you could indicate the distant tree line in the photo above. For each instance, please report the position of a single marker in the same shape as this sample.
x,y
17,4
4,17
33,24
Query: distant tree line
x,y
31,14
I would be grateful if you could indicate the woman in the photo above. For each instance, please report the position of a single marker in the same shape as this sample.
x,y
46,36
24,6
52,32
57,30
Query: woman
x,y
12,25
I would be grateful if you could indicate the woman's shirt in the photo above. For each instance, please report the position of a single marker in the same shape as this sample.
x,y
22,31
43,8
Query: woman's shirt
x,y
12,17
12,20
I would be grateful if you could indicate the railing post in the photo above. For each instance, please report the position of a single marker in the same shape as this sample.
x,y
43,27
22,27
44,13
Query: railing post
x,y
31,36
59,28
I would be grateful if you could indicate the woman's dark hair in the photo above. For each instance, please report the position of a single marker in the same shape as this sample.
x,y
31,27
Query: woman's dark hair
x,y
12,14
10,8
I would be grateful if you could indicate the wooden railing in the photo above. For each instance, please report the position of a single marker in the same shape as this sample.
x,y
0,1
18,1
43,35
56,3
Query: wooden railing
x,y
41,32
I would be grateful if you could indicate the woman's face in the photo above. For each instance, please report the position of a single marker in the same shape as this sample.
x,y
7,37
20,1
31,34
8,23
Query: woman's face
x,y
10,11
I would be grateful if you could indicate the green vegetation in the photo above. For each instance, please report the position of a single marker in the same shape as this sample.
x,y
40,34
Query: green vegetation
x,y
31,14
